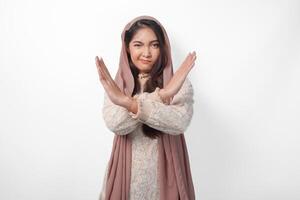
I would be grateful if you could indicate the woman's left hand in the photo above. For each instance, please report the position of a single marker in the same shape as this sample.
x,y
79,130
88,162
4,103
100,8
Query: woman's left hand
x,y
178,78
109,85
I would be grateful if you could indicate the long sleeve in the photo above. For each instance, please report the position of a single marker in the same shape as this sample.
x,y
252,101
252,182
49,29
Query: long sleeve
x,y
172,119
117,118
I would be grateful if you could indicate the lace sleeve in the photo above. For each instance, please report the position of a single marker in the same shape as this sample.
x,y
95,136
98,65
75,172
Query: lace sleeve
x,y
172,119
117,118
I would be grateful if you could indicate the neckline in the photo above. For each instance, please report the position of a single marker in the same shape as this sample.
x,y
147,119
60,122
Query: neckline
x,y
143,75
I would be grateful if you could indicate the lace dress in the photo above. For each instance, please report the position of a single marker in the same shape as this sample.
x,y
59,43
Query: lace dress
x,y
170,119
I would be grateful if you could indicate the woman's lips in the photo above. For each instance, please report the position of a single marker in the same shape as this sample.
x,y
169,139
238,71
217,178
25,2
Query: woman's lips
x,y
145,61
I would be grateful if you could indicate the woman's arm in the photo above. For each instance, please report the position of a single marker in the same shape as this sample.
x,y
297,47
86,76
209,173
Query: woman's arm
x,y
117,118
172,119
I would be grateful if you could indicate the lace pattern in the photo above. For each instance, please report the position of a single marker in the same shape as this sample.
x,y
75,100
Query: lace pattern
x,y
171,119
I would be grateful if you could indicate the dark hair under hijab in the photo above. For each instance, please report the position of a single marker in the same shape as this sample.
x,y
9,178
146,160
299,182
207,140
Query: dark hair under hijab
x,y
156,73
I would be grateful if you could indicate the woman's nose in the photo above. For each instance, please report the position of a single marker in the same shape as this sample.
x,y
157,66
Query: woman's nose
x,y
146,52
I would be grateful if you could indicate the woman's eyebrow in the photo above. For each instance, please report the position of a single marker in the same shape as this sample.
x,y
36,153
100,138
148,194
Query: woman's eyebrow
x,y
137,41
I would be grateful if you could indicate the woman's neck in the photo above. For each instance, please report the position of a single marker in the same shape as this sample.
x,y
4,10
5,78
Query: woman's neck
x,y
143,77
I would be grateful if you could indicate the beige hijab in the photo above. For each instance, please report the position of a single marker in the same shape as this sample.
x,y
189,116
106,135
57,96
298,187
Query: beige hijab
x,y
175,180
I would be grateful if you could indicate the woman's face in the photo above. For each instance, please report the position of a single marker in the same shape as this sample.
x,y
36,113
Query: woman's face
x,y
144,49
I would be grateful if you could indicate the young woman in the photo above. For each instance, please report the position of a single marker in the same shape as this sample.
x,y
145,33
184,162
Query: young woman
x,y
148,108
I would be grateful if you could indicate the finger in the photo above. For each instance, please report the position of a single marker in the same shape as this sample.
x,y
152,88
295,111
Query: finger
x,y
102,77
109,78
105,70
106,73
192,64
98,66
187,59
100,70
187,67
97,61
194,58
191,67
106,86
190,60
193,55
189,55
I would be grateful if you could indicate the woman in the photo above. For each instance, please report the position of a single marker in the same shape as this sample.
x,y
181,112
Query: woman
x,y
148,108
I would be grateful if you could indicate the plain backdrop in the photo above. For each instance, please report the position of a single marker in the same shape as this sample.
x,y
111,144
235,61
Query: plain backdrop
x,y
243,140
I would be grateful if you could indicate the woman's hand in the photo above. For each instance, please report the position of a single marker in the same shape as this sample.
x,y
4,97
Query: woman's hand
x,y
178,78
111,88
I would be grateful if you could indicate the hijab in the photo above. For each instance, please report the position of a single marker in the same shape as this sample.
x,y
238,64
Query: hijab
x,y
175,179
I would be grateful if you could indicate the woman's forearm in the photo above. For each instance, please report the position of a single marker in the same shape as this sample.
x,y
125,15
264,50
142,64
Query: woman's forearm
x,y
132,106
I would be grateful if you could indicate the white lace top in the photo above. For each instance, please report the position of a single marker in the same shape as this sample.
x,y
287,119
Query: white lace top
x,y
170,119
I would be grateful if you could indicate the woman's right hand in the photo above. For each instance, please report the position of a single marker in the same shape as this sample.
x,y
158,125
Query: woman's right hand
x,y
109,85
178,78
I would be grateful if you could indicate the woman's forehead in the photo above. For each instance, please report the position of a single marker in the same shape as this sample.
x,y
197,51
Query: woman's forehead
x,y
144,35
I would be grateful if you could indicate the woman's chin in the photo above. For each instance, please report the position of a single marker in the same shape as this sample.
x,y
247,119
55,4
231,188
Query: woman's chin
x,y
144,68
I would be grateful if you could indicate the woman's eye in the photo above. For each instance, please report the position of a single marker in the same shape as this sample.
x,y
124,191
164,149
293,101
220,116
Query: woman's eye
x,y
156,45
137,45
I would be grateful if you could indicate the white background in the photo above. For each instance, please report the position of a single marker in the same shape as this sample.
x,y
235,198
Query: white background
x,y
243,140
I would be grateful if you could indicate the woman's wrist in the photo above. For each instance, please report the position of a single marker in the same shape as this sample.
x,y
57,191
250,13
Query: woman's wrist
x,y
130,104
161,93
163,96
